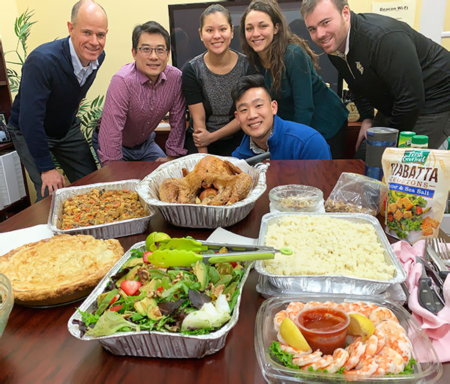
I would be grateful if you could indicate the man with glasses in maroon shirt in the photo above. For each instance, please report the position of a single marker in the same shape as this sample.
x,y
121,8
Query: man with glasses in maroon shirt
x,y
139,96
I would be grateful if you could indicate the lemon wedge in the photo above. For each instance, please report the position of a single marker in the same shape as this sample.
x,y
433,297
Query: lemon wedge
x,y
360,325
292,335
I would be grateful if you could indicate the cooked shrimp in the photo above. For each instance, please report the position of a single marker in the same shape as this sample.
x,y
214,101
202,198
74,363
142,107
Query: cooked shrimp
x,y
367,309
279,317
344,306
402,345
322,363
381,314
366,367
381,340
330,304
391,328
371,345
340,357
312,304
396,338
389,361
293,309
355,352
294,351
354,307
307,359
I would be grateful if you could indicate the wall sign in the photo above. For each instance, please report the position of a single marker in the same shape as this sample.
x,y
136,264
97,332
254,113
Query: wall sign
x,y
400,10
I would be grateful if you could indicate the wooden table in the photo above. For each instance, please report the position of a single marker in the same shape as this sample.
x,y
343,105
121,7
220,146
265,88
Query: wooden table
x,y
37,348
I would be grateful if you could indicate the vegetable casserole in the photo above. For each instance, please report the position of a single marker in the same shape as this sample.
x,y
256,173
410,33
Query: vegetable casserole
x,y
101,207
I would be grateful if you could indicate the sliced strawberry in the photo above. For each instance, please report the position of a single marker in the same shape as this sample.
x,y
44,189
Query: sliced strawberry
x,y
114,299
145,257
130,287
116,308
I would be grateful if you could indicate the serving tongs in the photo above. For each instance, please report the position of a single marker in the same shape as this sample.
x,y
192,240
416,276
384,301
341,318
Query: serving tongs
x,y
184,252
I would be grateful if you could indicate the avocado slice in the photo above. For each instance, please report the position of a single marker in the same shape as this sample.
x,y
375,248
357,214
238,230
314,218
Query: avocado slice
x,y
118,282
151,285
225,280
213,275
143,305
133,262
133,272
100,298
231,288
201,272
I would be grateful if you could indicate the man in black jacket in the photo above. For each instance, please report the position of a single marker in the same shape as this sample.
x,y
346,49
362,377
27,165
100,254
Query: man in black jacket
x,y
387,65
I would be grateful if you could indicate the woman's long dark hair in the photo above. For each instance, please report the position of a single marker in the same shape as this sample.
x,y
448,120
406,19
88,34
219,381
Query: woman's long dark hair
x,y
281,40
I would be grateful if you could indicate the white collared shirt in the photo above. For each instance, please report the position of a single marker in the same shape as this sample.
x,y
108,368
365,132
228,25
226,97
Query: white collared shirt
x,y
81,73
347,47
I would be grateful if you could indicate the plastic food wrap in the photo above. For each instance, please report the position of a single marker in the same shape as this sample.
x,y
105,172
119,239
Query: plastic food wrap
x,y
357,194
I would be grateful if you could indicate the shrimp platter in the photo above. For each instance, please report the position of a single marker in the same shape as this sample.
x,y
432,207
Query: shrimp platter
x,y
376,347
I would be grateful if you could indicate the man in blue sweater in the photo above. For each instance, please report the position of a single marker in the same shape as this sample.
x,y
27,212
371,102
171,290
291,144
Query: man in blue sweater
x,y
266,132
55,78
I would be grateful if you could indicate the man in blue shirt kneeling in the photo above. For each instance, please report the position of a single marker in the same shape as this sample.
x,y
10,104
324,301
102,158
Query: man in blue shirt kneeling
x,y
266,132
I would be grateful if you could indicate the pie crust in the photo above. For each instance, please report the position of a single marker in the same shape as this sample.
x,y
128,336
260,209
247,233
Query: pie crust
x,y
59,266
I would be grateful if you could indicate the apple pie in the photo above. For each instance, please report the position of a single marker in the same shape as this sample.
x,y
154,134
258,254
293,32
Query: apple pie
x,y
59,266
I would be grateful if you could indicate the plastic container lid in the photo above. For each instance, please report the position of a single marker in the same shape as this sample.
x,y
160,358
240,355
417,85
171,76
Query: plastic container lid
x,y
409,134
295,198
419,139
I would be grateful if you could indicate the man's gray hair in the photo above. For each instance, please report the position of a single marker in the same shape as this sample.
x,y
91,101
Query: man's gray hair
x,y
308,6
77,6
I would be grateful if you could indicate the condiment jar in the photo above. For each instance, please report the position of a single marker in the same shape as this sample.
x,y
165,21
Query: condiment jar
x,y
419,141
404,140
324,328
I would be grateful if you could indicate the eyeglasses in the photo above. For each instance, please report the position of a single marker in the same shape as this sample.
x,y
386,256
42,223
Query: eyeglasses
x,y
147,51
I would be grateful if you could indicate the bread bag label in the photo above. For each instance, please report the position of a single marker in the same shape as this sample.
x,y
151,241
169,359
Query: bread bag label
x,y
418,181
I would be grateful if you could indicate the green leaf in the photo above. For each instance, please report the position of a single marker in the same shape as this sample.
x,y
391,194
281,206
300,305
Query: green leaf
x,y
283,357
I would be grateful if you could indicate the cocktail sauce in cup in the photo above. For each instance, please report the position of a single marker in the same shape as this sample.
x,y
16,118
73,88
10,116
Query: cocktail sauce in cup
x,y
324,328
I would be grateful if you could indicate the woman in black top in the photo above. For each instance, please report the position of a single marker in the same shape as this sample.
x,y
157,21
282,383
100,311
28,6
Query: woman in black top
x,y
207,83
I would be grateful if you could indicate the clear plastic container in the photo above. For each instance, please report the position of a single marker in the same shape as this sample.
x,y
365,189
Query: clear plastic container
x,y
427,370
6,301
296,198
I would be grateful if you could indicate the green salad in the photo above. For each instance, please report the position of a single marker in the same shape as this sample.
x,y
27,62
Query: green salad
x,y
192,300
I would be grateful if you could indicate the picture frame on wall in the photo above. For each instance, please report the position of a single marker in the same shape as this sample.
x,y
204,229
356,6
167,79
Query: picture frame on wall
x,y
4,134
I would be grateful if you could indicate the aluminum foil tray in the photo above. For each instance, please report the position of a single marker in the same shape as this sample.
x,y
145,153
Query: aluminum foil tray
x,y
102,231
195,215
330,283
394,293
154,343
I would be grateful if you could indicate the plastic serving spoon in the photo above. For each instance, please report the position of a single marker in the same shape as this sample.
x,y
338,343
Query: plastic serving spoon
x,y
184,252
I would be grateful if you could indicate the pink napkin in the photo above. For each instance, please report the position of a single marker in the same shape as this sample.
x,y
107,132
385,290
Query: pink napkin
x,y
437,327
